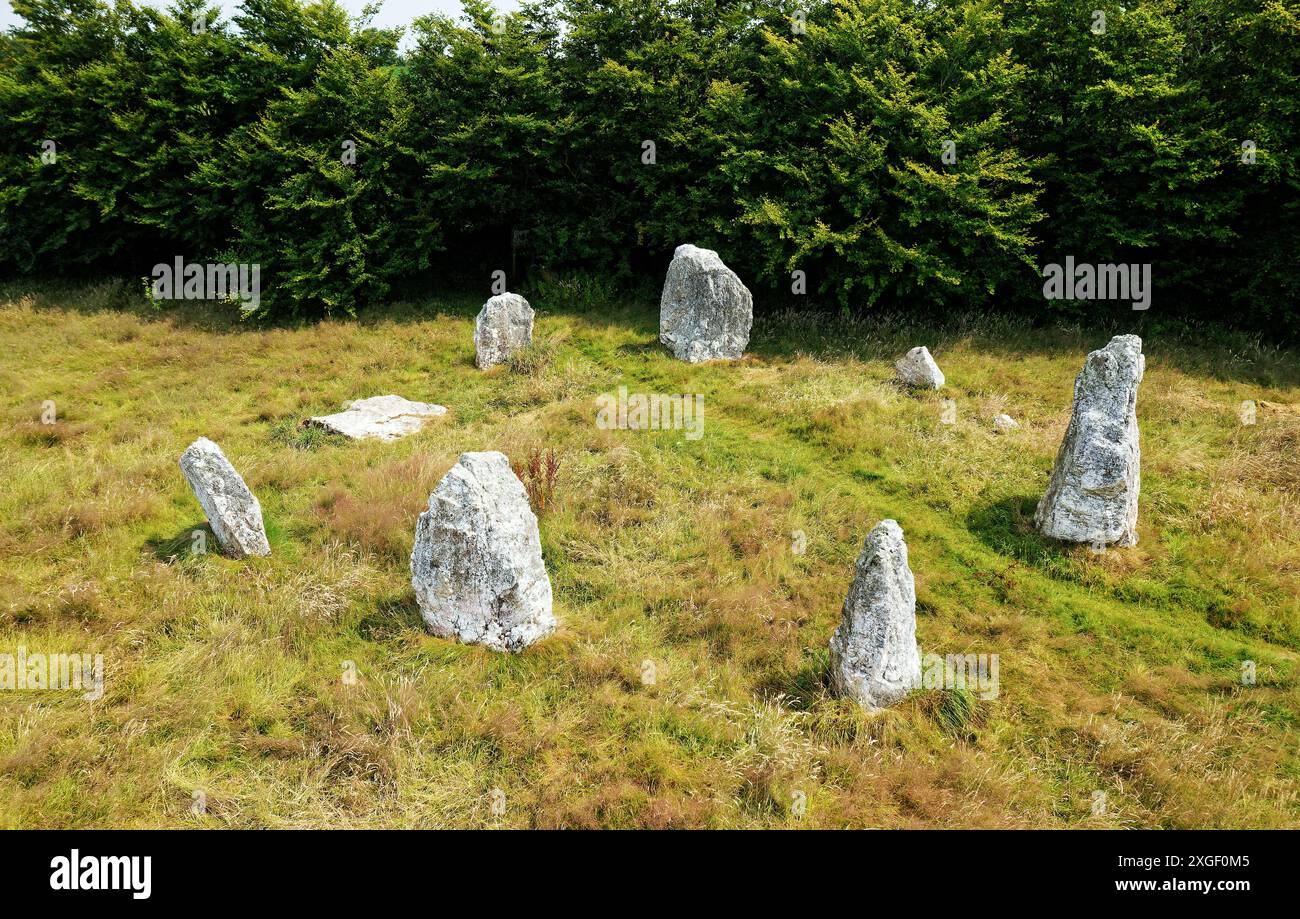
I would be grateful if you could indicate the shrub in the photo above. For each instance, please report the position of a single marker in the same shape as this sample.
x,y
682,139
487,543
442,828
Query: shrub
x,y
595,136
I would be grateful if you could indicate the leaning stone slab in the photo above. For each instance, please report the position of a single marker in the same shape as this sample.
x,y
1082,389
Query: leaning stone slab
x,y
705,312
917,368
503,326
1093,493
381,417
874,657
233,511
477,563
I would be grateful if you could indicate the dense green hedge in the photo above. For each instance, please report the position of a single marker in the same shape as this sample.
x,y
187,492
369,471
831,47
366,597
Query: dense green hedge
x,y
520,143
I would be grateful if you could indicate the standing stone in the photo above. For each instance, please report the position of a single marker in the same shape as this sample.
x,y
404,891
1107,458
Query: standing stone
x,y
705,313
874,657
503,326
1093,493
917,368
233,511
477,563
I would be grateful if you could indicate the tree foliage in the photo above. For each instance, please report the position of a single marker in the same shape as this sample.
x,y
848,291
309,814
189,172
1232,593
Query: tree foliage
x,y
899,153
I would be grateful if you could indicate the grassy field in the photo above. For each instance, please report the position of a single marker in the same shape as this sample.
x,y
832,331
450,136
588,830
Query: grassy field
x,y
1120,673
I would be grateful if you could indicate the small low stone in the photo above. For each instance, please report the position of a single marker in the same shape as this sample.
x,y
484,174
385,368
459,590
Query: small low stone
x,y
233,510
381,417
503,326
1004,424
874,656
917,368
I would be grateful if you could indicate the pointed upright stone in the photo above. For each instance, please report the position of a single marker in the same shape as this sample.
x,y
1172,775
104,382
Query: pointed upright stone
x,y
1093,493
233,510
477,563
917,368
874,657
705,312
503,326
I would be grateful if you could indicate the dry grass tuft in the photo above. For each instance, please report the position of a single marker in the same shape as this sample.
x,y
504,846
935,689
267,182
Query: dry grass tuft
x,y
376,510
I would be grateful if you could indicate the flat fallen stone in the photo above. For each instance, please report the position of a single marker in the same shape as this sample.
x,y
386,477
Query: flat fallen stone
x,y
1004,424
382,417
705,312
503,326
917,368
1092,496
232,509
874,657
477,563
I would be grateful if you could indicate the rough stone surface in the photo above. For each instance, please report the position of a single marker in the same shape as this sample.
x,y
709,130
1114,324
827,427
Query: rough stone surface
x,y
1004,424
917,368
705,312
1093,493
382,417
874,656
477,563
504,325
233,511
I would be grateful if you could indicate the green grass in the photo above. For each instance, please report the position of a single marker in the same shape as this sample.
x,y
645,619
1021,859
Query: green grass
x,y
1119,673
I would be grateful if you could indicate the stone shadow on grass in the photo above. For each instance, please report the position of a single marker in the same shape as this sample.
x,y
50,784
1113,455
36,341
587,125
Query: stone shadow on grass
x,y
642,349
183,544
802,688
391,616
1007,527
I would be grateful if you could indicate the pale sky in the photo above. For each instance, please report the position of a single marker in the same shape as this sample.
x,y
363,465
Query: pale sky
x,y
393,12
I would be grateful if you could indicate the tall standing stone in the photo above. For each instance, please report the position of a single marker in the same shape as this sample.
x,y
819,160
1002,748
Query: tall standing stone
x,y
705,312
503,326
233,510
477,563
1093,493
874,657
